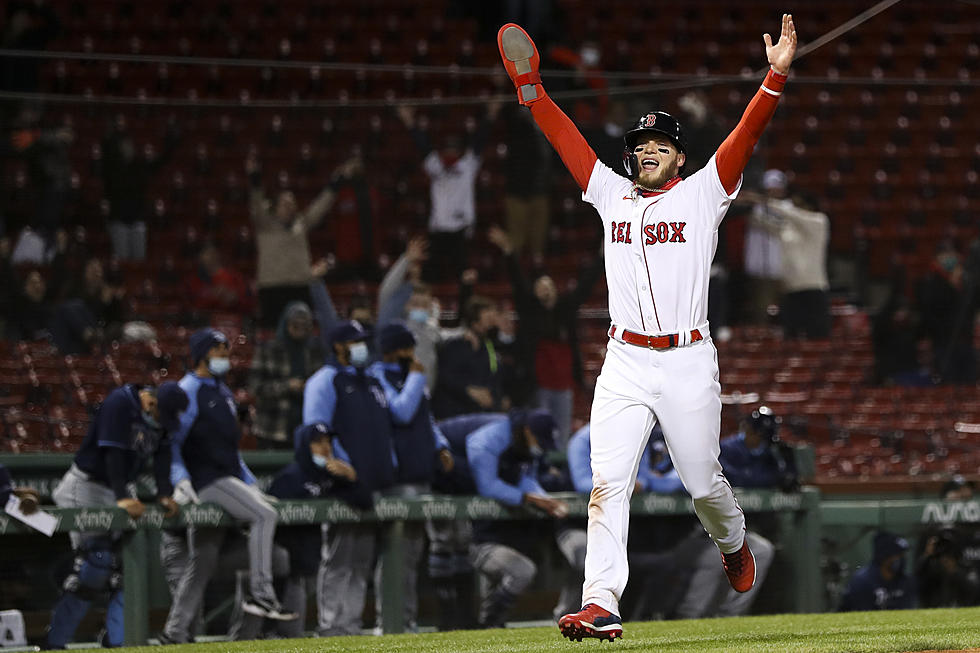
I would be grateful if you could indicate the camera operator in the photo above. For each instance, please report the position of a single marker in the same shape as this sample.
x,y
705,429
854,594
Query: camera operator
x,y
948,567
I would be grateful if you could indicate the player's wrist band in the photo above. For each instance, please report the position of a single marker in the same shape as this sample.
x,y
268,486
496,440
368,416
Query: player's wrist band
x,y
774,82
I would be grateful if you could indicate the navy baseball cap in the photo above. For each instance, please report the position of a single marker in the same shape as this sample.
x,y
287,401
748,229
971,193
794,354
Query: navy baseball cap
x,y
541,423
202,341
395,336
350,331
171,402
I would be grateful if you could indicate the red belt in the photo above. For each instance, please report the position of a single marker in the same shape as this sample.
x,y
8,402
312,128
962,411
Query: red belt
x,y
652,342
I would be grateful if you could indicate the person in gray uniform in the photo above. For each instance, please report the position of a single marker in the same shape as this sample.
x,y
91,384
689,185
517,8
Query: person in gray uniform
x,y
207,466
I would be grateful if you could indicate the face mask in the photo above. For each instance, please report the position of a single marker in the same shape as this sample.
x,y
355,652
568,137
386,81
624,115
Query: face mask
x,y
320,461
358,354
419,315
219,366
150,421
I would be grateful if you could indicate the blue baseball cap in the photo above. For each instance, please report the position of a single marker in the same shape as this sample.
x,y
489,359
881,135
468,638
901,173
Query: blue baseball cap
x,y
395,336
202,341
350,331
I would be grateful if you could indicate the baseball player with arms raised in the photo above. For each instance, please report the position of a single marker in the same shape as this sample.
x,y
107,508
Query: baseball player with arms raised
x,y
660,236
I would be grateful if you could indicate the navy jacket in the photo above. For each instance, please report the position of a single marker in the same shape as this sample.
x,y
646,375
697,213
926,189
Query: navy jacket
x,y
868,590
745,467
119,442
460,366
301,479
417,439
205,447
353,404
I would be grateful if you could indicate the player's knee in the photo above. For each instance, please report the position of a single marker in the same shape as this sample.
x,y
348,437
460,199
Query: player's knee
x,y
94,572
280,562
265,514
521,574
708,488
604,490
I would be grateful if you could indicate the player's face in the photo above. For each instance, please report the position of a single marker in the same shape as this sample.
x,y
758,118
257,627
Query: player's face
x,y
658,159
148,401
322,447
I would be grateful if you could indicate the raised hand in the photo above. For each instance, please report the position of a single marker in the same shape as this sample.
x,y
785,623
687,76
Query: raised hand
x,y
781,55
500,238
406,114
418,249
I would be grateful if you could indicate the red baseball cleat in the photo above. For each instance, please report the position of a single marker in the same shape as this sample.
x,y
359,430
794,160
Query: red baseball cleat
x,y
740,568
591,621
521,60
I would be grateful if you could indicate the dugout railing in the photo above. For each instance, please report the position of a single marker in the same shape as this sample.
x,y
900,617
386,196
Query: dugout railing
x,y
798,515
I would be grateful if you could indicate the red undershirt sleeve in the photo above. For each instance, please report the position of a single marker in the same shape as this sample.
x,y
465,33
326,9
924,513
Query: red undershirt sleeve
x,y
734,153
565,137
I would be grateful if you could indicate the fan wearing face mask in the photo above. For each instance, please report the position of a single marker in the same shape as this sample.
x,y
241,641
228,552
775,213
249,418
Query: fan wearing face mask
x,y
208,467
353,404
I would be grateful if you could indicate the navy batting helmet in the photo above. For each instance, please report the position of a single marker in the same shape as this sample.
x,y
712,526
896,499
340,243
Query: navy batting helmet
x,y
655,121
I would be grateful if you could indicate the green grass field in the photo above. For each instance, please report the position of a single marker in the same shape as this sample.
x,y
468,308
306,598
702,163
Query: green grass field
x,y
918,630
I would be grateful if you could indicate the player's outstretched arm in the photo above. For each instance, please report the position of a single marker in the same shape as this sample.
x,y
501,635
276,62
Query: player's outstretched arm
x,y
734,153
520,57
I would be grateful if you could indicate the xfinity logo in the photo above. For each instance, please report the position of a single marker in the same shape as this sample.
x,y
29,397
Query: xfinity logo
x,y
302,514
751,502
786,501
659,503
153,518
483,509
387,509
342,512
200,516
88,520
439,510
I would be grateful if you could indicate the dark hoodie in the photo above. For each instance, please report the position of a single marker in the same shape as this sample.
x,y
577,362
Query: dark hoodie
x,y
302,479
868,589
278,409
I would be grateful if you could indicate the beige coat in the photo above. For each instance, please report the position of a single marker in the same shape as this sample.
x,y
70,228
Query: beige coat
x,y
284,252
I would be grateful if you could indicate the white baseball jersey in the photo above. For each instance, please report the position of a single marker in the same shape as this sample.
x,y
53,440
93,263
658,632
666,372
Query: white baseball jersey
x,y
452,192
659,249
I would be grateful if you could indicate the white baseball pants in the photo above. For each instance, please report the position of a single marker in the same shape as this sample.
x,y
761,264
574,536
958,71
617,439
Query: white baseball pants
x,y
637,386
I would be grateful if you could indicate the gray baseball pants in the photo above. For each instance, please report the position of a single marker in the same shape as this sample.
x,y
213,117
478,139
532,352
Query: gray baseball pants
x,y
413,544
75,490
244,503
504,572
345,567
710,595
228,550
